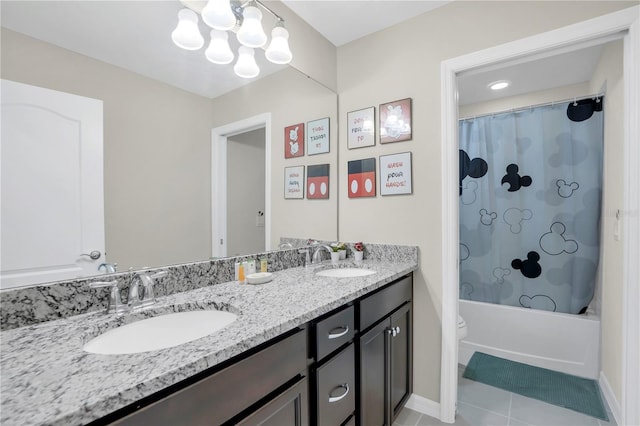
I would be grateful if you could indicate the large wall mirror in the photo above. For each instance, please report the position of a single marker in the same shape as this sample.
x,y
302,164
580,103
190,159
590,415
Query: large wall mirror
x,y
159,106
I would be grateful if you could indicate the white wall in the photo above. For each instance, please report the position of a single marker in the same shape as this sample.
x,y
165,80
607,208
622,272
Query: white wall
x,y
404,61
245,193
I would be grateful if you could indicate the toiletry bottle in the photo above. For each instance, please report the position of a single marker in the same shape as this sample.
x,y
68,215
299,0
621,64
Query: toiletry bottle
x,y
241,273
251,267
263,264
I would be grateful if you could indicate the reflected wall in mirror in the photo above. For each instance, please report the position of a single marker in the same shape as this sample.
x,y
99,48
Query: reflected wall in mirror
x,y
157,146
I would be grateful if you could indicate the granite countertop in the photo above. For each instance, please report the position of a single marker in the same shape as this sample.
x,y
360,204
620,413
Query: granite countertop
x,y
46,377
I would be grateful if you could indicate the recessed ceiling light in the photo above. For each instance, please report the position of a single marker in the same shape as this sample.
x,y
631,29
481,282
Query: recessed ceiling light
x,y
499,85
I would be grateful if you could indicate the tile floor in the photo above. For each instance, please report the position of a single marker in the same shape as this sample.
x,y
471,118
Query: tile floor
x,y
483,405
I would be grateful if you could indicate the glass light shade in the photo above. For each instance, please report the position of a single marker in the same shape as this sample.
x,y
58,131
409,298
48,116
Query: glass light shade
x,y
218,15
278,51
219,51
246,66
251,33
186,35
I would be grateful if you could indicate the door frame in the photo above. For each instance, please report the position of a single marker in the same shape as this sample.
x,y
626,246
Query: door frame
x,y
219,140
592,30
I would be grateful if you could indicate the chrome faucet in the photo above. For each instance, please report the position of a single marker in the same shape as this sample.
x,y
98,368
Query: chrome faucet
x,y
137,301
316,252
115,303
282,246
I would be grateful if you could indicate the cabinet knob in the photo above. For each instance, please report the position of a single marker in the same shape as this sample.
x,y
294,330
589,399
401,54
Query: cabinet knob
x,y
344,386
393,331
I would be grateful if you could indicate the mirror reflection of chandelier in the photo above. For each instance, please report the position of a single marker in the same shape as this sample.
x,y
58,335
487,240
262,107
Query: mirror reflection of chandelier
x,y
245,20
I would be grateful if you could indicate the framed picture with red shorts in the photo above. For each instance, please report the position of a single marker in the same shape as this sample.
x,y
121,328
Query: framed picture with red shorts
x,y
318,182
362,178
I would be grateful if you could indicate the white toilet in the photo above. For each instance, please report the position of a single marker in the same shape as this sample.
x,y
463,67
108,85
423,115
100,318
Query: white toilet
x,y
462,328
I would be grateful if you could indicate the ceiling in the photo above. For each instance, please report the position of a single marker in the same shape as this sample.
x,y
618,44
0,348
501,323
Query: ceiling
x,y
341,22
548,72
135,35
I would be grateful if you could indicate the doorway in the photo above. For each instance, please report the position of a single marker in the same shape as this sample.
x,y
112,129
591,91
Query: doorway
x,y
235,141
245,193
571,37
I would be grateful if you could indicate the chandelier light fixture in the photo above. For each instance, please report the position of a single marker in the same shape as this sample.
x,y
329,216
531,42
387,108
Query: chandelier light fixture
x,y
245,20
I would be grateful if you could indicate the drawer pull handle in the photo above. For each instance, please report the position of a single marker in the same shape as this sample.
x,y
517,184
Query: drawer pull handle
x,y
333,335
338,398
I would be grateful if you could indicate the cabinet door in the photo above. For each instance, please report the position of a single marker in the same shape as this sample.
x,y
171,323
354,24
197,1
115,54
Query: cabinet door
x,y
401,358
289,408
372,375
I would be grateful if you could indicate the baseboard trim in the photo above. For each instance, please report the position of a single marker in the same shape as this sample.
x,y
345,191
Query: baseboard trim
x,y
423,405
610,397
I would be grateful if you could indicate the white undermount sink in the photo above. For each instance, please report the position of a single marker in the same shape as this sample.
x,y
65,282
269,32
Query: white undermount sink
x,y
159,332
345,272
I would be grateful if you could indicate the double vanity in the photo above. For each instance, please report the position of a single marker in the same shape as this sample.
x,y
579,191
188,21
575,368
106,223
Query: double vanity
x,y
305,348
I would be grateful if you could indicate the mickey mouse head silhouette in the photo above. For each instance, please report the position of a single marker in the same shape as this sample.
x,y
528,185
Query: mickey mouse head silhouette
x,y
475,168
514,180
530,268
487,218
565,190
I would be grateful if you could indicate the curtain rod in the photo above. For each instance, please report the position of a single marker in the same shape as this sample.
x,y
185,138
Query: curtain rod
x,y
530,107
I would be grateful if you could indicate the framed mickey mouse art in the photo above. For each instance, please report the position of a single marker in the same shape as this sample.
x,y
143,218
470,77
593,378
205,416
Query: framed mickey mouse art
x,y
362,178
294,141
361,129
395,121
395,174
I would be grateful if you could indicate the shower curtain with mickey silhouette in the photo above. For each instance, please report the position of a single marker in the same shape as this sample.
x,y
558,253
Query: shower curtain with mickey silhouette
x,y
530,194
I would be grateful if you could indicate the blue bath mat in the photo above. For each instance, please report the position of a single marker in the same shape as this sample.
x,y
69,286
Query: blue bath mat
x,y
564,390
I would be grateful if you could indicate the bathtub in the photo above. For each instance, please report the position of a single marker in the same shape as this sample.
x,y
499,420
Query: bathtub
x,y
560,342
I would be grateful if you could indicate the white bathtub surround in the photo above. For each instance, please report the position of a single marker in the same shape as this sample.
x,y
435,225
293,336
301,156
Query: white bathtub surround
x,y
556,341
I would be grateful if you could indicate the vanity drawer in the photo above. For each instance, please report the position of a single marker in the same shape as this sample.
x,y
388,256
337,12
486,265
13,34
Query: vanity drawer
x,y
378,305
336,388
334,331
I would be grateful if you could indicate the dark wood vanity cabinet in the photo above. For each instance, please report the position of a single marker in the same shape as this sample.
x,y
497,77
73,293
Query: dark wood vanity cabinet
x,y
350,366
372,369
385,354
